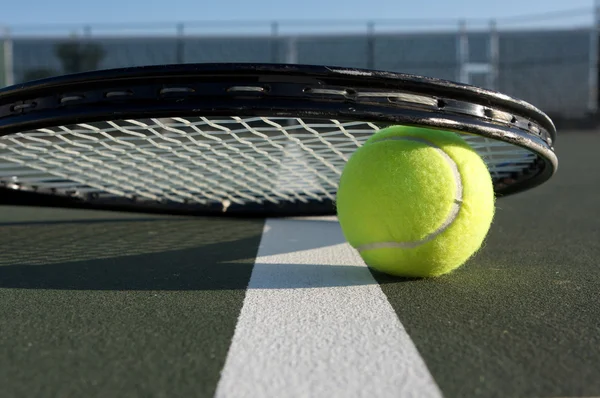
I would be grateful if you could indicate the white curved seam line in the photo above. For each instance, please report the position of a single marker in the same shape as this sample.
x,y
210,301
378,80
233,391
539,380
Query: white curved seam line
x,y
453,211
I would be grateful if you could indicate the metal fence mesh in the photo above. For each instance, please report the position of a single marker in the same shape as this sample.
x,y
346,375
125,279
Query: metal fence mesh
x,y
548,60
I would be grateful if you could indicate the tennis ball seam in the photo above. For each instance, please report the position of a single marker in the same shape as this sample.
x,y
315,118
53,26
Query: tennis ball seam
x,y
454,211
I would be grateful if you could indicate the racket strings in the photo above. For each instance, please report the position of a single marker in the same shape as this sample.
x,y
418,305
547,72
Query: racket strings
x,y
200,160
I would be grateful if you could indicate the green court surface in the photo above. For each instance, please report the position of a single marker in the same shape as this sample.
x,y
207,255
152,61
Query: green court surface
x,y
100,304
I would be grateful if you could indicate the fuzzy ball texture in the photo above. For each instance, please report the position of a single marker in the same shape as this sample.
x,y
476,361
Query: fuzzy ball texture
x,y
415,202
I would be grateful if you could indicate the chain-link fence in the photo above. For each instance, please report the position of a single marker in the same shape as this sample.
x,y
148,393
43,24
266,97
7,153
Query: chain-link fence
x,y
549,60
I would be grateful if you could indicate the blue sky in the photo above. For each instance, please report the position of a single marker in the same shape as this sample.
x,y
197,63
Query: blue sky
x,y
33,12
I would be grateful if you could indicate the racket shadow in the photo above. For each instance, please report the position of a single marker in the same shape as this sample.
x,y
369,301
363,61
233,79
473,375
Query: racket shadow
x,y
168,254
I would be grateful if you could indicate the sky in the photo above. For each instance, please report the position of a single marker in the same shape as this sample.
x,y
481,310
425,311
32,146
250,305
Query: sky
x,y
23,15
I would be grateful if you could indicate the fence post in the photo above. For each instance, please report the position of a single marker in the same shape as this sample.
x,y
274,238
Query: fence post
x,y
593,61
7,67
462,48
274,42
179,48
494,55
370,45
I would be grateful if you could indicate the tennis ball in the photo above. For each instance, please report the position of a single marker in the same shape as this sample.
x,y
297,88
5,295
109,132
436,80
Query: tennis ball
x,y
415,202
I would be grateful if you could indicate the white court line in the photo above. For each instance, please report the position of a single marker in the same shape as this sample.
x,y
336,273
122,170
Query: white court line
x,y
316,324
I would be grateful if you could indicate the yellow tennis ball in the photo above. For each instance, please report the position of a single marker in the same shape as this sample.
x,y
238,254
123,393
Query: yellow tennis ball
x,y
415,202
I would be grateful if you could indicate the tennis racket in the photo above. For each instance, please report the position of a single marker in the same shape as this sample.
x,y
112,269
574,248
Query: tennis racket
x,y
240,139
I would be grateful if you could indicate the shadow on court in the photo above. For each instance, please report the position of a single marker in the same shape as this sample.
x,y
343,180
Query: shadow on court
x,y
164,254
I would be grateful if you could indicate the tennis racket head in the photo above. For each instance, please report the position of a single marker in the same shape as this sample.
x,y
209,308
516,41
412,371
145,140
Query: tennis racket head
x,y
241,139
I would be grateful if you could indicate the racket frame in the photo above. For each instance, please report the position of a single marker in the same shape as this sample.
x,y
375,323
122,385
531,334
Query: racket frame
x,y
282,90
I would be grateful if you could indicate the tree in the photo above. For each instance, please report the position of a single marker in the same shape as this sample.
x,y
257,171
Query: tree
x,y
76,56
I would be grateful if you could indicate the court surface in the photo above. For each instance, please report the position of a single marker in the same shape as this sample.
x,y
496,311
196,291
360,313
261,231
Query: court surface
x,y
98,304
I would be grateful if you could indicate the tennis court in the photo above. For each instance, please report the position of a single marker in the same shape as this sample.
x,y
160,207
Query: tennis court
x,y
105,304
120,304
